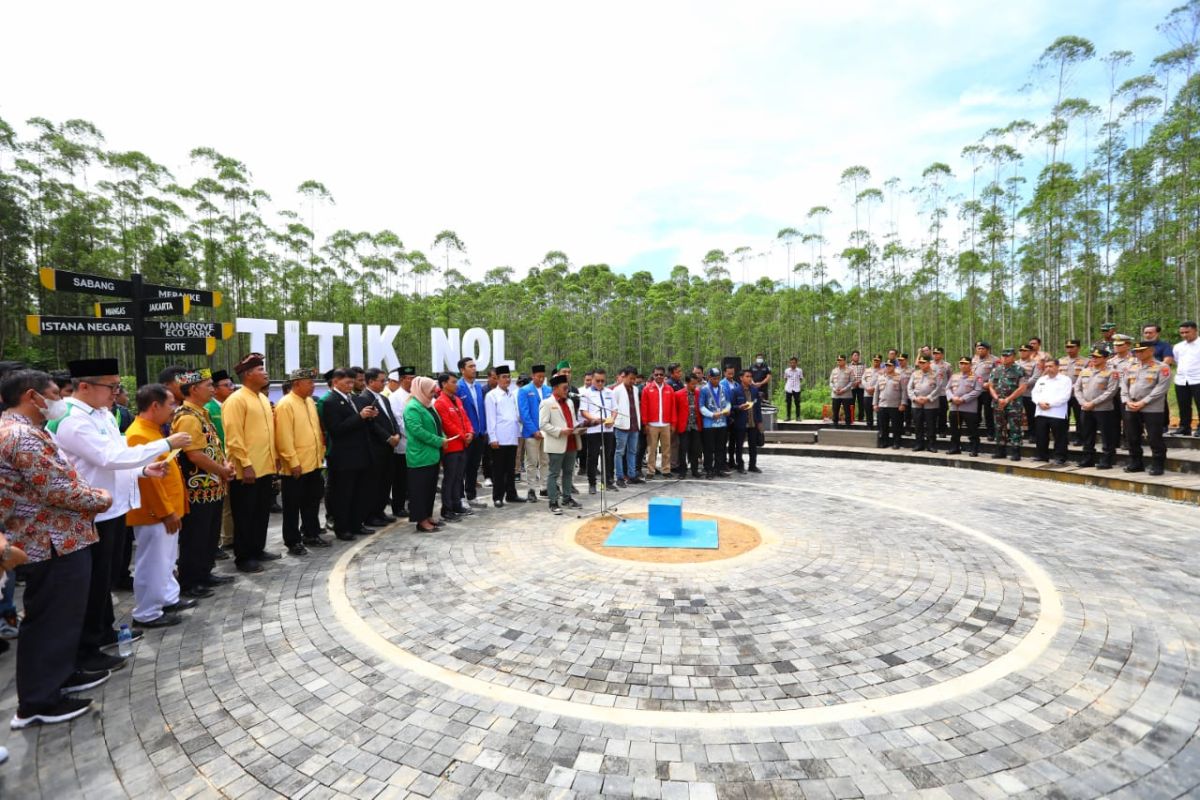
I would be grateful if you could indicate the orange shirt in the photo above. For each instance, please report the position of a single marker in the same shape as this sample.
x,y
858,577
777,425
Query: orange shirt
x,y
163,496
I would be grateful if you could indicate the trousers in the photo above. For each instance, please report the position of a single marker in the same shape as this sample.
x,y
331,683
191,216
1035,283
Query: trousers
x,y
691,451
891,421
1155,424
562,465
594,442
537,464
474,451
1008,424
1045,426
964,421
788,399
453,465
399,484
714,449
154,584
56,594
842,405
302,506
504,466
1187,394
740,437
625,454
658,440
251,503
1106,423
98,615
198,540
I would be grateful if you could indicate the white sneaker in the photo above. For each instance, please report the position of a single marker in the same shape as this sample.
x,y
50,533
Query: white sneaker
x,y
487,483
8,631
3,754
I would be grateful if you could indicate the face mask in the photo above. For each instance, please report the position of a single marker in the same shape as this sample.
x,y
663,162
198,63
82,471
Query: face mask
x,y
759,361
55,409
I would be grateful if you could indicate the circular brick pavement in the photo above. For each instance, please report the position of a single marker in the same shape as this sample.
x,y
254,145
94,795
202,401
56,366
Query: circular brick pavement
x,y
263,692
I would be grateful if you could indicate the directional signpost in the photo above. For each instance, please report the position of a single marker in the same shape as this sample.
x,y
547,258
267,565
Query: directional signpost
x,y
128,316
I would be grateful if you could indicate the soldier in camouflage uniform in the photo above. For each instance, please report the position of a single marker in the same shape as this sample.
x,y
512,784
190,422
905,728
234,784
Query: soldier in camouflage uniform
x,y
1144,390
1006,386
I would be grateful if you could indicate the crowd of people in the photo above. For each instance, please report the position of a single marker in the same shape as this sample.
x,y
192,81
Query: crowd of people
x,y
97,497
1116,391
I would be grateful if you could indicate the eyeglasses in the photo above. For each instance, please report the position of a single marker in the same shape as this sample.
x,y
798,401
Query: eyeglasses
x,y
113,387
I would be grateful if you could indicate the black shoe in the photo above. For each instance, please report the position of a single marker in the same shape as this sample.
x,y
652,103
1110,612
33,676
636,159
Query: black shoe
x,y
722,473
1000,453
591,488
265,556
554,509
125,584
101,662
1135,468
519,500
755,470
364,531
1104,465
343,537
708,476
66,709
621,484
196,592
180,605
1015,457
379,522
531,497
220,555
164,621
895,447
298,549
250,566
931,449
81,680
1088,462
636,481
455,518
610,487
954,451
315,541
543,493
1058,462
1154,469
213,579
974,451
498,503
919,448
572,503
1182,432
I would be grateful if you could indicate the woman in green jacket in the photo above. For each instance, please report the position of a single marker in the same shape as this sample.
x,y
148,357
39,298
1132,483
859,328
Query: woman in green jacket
x,y
424,453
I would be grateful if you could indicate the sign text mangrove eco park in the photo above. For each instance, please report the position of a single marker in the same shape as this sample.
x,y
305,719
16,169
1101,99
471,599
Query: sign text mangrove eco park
x,y
376,342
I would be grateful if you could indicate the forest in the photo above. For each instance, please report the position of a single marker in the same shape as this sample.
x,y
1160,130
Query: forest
x,y
1046,227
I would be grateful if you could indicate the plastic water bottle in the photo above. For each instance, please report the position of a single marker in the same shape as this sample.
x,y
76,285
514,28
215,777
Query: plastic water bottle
x,y
125,642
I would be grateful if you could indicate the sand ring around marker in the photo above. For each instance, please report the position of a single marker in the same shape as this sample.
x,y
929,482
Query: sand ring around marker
x,y
547,698
736,538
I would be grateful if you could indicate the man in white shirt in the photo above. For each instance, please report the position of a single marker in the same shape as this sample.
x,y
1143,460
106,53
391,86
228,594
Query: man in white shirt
x,y
399,398
1051,395
89,437
793,383
503,430
1187,377
597,405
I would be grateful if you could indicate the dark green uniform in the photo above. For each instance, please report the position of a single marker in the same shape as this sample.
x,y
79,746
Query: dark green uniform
x,y
1007,380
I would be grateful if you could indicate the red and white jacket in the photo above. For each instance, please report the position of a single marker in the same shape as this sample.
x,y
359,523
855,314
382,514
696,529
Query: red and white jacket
x,y
658,404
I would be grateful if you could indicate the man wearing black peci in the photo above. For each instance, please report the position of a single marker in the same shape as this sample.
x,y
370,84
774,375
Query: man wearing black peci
x,y
347,425
385,435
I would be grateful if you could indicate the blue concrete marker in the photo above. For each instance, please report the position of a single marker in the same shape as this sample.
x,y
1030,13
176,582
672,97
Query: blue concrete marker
x,y
666,527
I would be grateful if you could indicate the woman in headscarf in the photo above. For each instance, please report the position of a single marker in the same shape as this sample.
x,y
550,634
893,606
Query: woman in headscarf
x,y
424,453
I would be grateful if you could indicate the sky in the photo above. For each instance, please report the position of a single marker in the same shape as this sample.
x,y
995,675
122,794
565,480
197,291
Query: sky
x,y
640,135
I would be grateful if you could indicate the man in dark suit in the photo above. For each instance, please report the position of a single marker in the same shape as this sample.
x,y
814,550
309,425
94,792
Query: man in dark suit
x,y
347,422
747,420
385,435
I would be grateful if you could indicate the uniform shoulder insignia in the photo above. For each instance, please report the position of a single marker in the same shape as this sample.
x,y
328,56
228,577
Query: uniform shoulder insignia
x,y
1166,371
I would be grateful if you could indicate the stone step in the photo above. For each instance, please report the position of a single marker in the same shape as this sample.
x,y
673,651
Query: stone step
x,y
1178,486
1182,443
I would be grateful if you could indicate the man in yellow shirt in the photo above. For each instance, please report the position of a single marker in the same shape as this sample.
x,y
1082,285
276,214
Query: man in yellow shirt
x,y
301,448
250,445
206,474
157,521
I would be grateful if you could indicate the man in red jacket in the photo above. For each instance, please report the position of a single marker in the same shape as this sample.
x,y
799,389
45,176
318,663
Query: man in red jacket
x,y
457,427
658,412
687,425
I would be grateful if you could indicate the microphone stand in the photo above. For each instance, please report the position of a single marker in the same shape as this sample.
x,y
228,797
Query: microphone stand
x,y
605,509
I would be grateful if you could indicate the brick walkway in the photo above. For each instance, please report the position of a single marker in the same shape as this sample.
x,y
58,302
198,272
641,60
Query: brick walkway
x,y
1037,640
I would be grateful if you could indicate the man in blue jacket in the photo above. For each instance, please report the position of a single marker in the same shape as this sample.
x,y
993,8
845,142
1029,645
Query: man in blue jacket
x,y
472,392
529,400
747,420
714,409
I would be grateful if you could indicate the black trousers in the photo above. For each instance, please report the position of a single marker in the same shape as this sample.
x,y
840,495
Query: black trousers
x,y
1074,409
485,463
349,490
907,416
302,506
1106,422
380,496
422,491
399,484
926,417
740,437
251,507
943,409
453,465
989,418
691,451
891,421
504,478
199,537
788,399
56,597
122,559
868,412
1187,395
859,397
964,421
98,615
1030,414
474,453
1155,424
843,405
714,449
1045,426
592,441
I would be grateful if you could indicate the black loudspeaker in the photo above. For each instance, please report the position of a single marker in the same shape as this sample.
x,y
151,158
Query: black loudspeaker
x,y
732,361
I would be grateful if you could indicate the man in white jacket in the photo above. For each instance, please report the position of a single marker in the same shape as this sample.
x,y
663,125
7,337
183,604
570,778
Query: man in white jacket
x,y
1051,395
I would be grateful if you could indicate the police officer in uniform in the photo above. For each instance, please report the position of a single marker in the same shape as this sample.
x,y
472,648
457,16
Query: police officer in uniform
x,y
944,370
905,372
841,390
963,390
923,391
891,398
982,364
1120,362
1070,365
869,377
1096,392
1031,368
1144,390
1006,386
